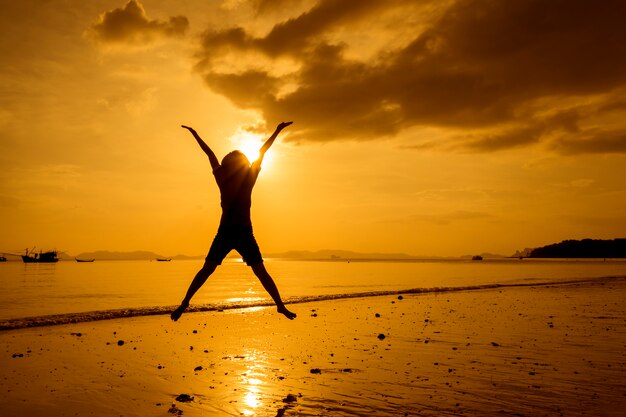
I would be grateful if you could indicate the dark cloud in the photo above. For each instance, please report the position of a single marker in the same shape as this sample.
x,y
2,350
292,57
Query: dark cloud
x,y
131,25
250,89
506,139
293,37
594,141
272,6
479,65
533,131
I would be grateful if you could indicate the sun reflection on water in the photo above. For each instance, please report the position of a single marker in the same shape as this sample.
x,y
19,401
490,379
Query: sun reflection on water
x,y
244,299
253,381
251,398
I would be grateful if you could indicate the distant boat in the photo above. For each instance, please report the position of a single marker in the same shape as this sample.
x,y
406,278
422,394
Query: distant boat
x,y
164,259
3,259
477,258
84,260
41,257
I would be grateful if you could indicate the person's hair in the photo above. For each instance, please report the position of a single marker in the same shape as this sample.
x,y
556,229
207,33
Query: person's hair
x,y
235,159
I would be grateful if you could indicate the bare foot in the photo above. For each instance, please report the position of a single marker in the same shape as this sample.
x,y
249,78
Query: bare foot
x,y
283,310
179,311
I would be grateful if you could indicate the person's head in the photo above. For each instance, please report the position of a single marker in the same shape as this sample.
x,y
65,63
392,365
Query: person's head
x,y
235,160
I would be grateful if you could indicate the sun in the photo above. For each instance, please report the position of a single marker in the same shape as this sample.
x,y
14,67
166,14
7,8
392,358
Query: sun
x,y
249,143
250,147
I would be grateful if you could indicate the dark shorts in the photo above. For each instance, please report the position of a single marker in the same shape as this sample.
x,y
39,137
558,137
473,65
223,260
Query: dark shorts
x,y
239,238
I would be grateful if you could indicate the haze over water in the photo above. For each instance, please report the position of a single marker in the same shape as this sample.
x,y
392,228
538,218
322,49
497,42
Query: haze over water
x,y
28,290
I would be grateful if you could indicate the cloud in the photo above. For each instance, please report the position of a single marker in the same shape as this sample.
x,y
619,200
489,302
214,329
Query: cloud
x,y
497,71
533,131
595,141
581,183
268,6
131,25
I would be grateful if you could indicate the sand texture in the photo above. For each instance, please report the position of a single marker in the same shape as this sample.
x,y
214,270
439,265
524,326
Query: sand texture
x,y
529,351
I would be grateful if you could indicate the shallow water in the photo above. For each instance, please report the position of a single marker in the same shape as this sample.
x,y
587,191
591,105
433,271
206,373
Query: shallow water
x,y
36,290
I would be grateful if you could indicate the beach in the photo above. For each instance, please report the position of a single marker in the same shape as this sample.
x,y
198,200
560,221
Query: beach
x,y
525,351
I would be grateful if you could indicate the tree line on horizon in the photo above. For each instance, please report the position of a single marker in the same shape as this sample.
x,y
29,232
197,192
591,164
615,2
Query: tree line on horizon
x,y
585,248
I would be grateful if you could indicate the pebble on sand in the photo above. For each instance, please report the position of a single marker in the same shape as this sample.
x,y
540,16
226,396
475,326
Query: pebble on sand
x,y
120,342
290,398
184,398
316,371
381,336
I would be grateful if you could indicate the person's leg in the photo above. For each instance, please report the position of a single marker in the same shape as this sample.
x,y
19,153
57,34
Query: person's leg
x,y
251,254
269,285
200,278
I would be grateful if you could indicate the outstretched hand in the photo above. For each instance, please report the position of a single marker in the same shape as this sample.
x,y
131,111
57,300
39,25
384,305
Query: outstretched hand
x,y
283,125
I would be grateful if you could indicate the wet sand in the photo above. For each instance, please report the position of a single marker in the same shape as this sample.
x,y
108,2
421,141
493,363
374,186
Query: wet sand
x,y
526,351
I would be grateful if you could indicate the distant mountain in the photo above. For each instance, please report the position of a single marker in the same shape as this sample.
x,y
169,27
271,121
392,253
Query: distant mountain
x,y
525,253
105,255
63,256
338,254
181,257
586,248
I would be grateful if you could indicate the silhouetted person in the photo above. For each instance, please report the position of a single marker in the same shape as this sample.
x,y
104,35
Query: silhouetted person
x,y
235,178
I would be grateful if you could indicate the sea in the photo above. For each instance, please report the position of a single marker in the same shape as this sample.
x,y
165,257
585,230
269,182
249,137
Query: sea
x,y
67,291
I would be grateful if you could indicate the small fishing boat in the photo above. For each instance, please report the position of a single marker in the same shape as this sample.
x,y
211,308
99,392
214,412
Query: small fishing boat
x,y
3,258
41,257
84,260
164,259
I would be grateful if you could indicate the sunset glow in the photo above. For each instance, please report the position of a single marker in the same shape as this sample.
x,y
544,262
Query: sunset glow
x,y
435,223
249,144
429,128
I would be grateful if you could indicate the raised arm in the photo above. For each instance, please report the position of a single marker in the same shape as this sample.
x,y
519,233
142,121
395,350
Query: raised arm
x,y
271,140
212,158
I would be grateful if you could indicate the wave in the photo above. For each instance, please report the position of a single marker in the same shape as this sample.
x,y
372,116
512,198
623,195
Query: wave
x,y
72,318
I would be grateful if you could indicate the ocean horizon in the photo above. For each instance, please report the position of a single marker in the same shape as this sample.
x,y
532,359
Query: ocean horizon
x,y
66,292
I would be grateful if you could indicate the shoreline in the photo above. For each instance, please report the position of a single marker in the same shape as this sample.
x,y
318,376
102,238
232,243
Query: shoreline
x,y
114,314
523,350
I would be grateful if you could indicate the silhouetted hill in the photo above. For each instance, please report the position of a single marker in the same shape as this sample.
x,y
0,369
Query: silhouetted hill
x,y
586,248
181,257
64,256
119,256
337,255
525,253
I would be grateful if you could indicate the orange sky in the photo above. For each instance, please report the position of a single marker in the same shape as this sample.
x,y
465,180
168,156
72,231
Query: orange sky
x,y
424,127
